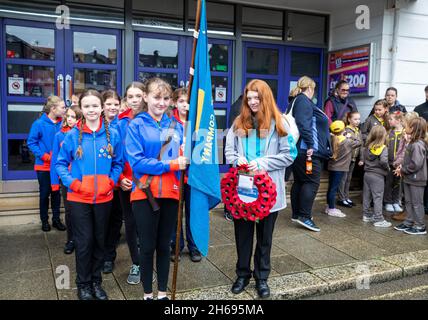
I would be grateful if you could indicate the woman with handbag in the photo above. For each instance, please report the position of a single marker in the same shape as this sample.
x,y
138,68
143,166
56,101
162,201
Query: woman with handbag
x,y
153,145
258,138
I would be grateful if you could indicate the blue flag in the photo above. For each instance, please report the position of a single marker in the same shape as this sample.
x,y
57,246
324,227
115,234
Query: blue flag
x,y
201,144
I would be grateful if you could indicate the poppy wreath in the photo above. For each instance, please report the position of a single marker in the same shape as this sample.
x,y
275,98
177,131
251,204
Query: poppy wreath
x,y
252,211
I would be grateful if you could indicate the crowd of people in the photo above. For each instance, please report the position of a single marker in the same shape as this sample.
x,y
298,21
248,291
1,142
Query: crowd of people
x,y
106,156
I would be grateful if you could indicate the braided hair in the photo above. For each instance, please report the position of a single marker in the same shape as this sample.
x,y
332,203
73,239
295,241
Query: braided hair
x,y
79,151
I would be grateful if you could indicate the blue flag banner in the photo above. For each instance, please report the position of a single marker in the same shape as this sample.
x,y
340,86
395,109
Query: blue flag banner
x,y
201,144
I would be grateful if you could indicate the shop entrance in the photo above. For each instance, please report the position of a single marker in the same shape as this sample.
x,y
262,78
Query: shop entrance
x,y
39,60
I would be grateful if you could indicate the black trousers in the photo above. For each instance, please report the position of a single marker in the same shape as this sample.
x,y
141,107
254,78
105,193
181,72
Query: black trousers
x,y
67,208
114,225
130,226
244,236
305,186
45,190
189,238
89,229
154,230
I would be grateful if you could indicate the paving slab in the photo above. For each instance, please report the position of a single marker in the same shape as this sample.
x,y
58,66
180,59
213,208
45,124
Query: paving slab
x,y
312,252
350,275
412,263
32,285
217,293
294,286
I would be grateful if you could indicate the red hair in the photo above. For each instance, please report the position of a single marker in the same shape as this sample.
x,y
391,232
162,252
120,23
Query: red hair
x,y
268,111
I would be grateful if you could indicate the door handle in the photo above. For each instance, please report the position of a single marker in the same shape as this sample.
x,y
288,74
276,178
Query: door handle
x,y
60,86
68,90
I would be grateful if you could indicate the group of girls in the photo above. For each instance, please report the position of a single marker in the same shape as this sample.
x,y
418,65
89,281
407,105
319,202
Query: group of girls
x,y
391,146
95,154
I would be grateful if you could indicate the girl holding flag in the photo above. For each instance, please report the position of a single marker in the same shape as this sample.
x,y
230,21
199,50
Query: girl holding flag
x,y
155,165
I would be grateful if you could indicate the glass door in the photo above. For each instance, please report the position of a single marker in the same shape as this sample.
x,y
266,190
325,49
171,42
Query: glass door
x,y
93,60
265,62
37,60
31,63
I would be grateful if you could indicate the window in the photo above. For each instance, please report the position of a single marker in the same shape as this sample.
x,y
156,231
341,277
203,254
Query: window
x,y
305,63
220,17
262,61
94,48
262,23
30,43
306,28
164,14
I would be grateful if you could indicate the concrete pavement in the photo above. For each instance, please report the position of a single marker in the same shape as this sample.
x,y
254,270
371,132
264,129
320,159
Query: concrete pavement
x,y
345,254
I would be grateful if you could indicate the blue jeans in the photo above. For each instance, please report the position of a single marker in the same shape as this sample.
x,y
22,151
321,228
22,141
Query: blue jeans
x,y
334,180
46,191
190,243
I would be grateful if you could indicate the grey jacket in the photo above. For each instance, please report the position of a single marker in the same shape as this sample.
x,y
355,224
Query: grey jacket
x,y
344,157
280,153
370,122
414,167
376,163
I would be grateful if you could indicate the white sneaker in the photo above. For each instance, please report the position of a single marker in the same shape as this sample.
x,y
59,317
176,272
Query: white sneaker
x,y
389,207
367,219
382,224
397,207
336,213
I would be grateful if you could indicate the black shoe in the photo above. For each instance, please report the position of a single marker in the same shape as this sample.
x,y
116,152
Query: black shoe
x,y
172,256
195,256
69,247
57,224
240,285
344,203
163,298
108,267
46,227
99,292
85,293
262,288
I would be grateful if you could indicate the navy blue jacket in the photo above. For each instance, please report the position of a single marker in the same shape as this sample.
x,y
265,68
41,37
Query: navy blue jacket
x,y
313,126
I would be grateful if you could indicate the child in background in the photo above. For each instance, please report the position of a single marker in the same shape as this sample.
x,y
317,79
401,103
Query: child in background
x,y
72,115
179,100
414,173
380,113
40,141
134,96
399,157
111,110
339,164
89,164
352,121
376,168
392,194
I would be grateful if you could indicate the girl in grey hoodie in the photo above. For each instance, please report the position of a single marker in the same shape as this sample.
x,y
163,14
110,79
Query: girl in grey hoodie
x,y
376,168
414,173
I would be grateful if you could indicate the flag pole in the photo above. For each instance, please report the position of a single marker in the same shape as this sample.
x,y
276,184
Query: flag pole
x,y
183,172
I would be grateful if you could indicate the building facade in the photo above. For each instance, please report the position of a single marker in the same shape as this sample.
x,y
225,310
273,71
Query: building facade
x,y
64,47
